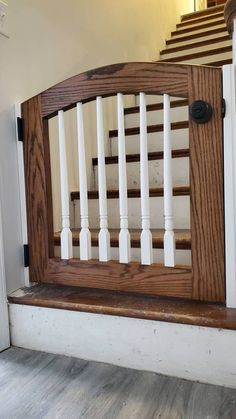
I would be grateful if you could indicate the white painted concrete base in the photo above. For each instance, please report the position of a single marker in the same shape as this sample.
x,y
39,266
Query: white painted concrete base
x,y
195,353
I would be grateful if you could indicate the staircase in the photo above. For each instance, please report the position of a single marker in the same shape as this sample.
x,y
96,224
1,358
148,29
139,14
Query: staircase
x,y
200,38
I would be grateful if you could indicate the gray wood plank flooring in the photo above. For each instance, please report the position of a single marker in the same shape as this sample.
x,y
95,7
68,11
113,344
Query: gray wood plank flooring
x,y
36,385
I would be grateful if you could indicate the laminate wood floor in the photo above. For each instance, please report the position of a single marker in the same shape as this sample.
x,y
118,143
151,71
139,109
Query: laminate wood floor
x,y
37,385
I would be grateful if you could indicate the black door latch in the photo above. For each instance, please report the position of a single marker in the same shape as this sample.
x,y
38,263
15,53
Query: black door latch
x,y
200,111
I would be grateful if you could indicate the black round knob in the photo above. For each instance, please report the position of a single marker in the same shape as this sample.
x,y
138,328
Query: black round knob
x,y
200,111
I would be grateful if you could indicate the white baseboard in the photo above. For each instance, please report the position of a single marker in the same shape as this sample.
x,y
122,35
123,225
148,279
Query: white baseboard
x,y
190,352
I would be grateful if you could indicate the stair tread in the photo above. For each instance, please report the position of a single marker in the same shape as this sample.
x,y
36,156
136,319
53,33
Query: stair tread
x,y
198,27
204,12
133,193
195,45
182,236
126,305
199,54
150,129
199,19
191,36
156,106
155,155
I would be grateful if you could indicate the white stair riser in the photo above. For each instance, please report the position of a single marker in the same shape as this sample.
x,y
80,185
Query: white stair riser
x,y
180,139
192,41
209,59
152,99
199,31
198,49
180,173
156,117
183,257
181,208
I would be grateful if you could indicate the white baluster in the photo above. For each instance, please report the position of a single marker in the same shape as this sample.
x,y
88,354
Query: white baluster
x,y
124,236
66,235
169,237
104,235
85,236
146,236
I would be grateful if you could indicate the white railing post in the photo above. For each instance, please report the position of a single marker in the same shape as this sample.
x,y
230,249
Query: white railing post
x,y
66,235
85,236
124,236
104,235
169,237
146,236
229,94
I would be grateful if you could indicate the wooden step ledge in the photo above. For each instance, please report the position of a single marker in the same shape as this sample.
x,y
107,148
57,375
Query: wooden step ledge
x,y
200,19
204,12
192,36
200,54
157,106
150,128
154,155
133,193
198,27
182,238
126,305
203,43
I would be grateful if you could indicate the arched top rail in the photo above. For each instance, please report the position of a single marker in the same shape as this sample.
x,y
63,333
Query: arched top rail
x,y
128,78
230,14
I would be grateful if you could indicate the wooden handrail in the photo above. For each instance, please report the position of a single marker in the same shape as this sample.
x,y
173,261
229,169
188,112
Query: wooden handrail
x,y
230,14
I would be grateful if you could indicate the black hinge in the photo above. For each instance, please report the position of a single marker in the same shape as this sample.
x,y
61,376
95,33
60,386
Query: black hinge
x,y
26,255
20,132
223,108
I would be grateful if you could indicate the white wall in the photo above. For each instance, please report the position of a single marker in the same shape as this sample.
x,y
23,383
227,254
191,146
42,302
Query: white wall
x,y
52,40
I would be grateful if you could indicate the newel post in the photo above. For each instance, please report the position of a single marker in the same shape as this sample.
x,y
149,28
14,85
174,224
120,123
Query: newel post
x,y
229,94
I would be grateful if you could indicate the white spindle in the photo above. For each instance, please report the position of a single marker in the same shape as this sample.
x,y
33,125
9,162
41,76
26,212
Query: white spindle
x,y
104,235
66,235
146,236
169,237
85,236
124,236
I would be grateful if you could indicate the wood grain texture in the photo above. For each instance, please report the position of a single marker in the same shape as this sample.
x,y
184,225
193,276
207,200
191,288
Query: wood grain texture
x,y
182,237
54,386
132,277
154,155
206,189
230,14
133,193
130,78
150,129
127,305
35,161
47,165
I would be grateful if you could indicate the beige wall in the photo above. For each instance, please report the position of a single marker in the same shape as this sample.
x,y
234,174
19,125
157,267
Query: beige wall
x,y
51,40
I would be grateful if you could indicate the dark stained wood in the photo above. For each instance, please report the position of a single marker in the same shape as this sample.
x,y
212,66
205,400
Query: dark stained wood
x,y
130,78
230,14
197,35
206,189
198,27
132,277
128,305
212,51
205,12
209,42
36,187
47,164
155,155
182,238
150,129
220,63
156,106
132,193
200,19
